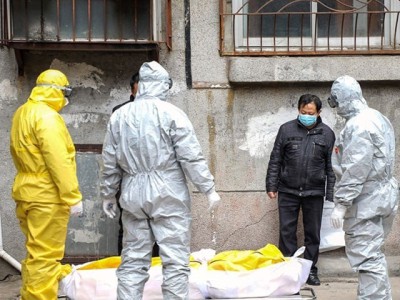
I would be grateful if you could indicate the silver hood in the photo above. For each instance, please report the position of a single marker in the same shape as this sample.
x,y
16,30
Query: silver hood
x,y
347,92
154,81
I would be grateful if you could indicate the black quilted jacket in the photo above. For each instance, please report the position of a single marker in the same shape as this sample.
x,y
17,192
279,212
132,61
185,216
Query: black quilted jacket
x,y
300,162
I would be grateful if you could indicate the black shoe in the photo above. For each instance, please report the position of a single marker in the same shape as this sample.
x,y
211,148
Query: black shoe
x,y
313,279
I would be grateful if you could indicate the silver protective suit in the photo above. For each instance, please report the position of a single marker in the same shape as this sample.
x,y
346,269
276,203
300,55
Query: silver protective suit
x,y
150,145
363,162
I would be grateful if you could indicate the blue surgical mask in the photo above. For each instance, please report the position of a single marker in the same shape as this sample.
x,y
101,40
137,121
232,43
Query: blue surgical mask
x,y
307,120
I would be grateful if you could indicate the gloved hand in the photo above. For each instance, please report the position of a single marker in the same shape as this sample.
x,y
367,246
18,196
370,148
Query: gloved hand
x,y
337,215
110,208
213,199
77,209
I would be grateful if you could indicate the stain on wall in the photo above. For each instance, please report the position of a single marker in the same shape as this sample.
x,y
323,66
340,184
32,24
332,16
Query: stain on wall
x,y
212,133
76,119
80,74
9,92
261,131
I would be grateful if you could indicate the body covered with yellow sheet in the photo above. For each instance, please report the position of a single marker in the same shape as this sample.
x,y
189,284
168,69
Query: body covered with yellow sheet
x,y
228,274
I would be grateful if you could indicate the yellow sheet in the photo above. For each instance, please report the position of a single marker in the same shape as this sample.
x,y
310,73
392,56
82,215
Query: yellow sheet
x,y
232,260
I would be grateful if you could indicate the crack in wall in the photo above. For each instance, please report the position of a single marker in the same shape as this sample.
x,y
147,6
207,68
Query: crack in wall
x,y
231,235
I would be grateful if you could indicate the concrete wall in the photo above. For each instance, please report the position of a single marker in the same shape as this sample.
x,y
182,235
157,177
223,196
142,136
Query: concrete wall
x,y
9,86
236,106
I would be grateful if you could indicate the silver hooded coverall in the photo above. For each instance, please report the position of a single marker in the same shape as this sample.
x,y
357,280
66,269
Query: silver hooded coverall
x,y
151,145
363,161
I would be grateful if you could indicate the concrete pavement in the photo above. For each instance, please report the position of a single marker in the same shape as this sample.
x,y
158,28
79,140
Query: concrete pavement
x,y
346,288
9,287
332,288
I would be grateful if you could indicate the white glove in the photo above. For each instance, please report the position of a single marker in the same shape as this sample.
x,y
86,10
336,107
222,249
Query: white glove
x,y
203,256
77,209
337,215
110,208
213,199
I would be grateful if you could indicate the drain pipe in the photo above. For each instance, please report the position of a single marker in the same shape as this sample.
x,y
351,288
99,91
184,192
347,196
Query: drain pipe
x,y
4,255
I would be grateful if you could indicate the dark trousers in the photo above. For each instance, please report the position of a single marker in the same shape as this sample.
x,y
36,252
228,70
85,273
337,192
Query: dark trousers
x,y
289,209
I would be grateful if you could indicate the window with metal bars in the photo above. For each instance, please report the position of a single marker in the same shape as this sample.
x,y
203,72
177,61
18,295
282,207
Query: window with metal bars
x,y
89,22
309,27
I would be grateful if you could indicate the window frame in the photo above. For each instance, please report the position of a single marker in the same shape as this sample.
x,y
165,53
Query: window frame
x,y
243,45
159,25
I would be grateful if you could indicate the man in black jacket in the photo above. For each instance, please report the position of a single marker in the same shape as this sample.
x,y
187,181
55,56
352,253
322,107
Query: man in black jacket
x,y
300,174
134,87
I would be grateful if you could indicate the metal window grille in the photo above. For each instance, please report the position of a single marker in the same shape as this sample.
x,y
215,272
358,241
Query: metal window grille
x,y
309,27
3,23
66,22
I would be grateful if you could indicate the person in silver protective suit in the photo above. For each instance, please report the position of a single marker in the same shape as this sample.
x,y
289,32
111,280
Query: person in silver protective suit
x,y
151,146
366,193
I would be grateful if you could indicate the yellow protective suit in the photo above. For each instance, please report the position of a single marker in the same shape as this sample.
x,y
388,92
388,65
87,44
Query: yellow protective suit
x,y
46,184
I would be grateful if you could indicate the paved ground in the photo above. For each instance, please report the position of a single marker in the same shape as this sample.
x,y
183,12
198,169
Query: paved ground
x,y
9,287
330,289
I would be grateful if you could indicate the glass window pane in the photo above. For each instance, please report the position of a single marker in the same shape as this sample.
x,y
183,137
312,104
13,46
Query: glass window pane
x,y
109,19
66,19
50,29
81,20
128,19
354,21
280,24
143,20
112,19
40,20
123,17
18,17
331,24
34,13
97,15
376,20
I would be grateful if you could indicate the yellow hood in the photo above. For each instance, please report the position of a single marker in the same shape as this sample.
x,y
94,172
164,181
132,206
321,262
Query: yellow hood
x,y
46,90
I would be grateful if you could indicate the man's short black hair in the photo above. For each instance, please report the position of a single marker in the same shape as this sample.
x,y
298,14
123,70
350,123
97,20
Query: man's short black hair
x,y
134,79
308,98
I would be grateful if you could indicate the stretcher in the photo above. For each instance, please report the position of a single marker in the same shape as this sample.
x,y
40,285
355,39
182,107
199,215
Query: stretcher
x,y
304,294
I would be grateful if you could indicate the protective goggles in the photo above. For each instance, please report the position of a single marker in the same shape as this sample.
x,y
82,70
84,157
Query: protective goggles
x,y
332,101
67,90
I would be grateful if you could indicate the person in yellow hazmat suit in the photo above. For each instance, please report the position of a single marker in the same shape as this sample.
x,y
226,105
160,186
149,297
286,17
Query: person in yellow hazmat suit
x,y
45,189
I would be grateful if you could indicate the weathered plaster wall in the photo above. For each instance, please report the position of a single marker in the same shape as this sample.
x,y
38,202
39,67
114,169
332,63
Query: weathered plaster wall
x,y
239,149
237,125
9,86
